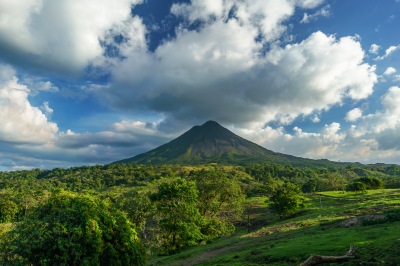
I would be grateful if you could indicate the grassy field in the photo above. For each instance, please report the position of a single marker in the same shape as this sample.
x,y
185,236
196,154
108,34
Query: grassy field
x,y
318,229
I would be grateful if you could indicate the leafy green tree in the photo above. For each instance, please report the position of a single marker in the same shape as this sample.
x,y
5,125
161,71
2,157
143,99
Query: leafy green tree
x,y
8,209
336,181
137,207
72,229
310,186
286,199
220,201
371,182
357,187
6,256
179,219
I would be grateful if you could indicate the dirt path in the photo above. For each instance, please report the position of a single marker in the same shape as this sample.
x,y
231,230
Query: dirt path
x,y
210,253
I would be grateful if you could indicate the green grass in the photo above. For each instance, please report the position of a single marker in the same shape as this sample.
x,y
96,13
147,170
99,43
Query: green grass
x,y
315,230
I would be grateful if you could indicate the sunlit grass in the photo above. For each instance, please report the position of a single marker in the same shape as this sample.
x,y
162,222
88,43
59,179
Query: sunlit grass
x,y
315,230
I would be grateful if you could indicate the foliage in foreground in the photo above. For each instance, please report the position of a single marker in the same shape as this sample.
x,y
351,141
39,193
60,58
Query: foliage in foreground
x,y
196,210
72,229
220,194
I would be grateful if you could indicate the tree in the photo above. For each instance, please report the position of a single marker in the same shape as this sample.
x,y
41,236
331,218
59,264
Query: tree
x,y
371,182
336,181
8,209
286,199
310,186
137,207
73,229
179,219
220,201
357,187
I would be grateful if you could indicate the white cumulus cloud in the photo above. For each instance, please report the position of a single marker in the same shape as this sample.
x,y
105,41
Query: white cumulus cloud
x,y
20,121
323,12
354,115
374,48
265,15
217,72
389,71
388,52
58,35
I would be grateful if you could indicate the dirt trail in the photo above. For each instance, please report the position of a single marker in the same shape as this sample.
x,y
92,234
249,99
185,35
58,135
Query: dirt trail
x,y
210,253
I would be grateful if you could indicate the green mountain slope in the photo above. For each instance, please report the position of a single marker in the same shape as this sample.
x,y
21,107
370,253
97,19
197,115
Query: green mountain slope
x,y
212,143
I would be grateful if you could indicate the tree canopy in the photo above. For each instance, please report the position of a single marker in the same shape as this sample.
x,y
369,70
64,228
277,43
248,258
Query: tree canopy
x,y
286,199
179,218
72,229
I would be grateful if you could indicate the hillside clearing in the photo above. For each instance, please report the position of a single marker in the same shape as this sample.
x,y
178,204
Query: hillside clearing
x,y
316,230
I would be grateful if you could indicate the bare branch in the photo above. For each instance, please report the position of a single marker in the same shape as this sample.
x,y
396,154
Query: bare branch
x,y
317,259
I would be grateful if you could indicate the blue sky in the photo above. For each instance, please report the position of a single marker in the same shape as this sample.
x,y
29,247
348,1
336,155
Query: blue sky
x,y
84,82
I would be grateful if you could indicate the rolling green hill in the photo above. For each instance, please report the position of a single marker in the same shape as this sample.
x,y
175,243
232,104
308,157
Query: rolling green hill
x,y
319,229
212,143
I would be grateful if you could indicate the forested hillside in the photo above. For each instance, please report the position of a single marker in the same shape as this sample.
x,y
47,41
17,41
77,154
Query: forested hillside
x,y
153,210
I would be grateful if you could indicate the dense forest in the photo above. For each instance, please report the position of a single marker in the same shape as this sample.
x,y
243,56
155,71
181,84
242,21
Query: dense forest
x,y
119,214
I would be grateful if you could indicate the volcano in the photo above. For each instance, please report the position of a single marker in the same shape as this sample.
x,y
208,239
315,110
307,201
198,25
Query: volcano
x,y
212,143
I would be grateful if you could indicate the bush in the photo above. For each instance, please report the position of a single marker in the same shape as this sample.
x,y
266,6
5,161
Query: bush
x,y
371,182
357,187
286,199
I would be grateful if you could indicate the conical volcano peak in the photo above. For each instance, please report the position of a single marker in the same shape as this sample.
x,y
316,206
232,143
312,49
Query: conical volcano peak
x,y
211,143
209,130
211,123
210,126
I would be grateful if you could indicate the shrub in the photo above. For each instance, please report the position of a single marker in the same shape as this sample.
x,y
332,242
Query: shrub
x,y
286,199
357,187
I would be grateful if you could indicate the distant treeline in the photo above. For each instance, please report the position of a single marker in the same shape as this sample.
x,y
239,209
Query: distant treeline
x,y
100,177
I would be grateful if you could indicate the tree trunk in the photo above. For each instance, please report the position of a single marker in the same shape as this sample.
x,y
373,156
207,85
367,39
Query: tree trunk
x,y
317,259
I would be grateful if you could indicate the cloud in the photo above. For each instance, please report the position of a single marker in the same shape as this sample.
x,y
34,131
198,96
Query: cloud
x,y
327,143
309,3
120,134
58,36
390,117
37,85
28,139
374,49
323,12
266,16
46,109
218,72
388,52
391,50
118,141
373,139
389,71
228,61
384,126
354,115
315,119
7,73
20,121
201,10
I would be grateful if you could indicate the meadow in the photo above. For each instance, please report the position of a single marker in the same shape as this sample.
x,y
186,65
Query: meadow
x,y
318,229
